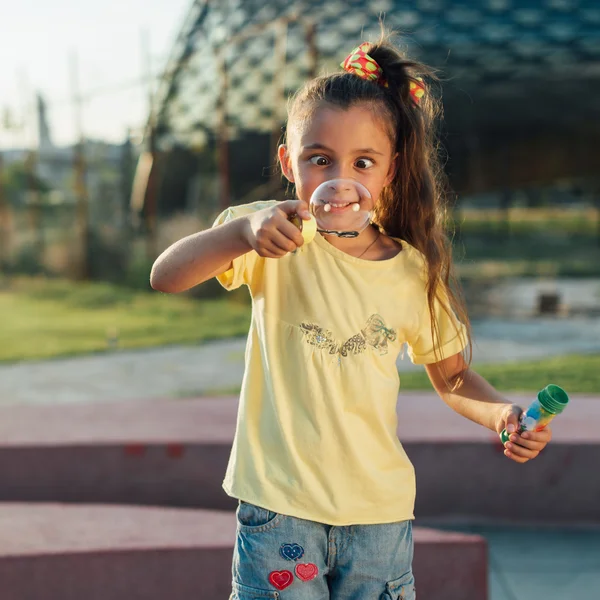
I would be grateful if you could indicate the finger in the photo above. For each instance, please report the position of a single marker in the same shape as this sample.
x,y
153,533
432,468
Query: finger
x,y
545,435
271,251
272,240
515,458
512,420
527,443
521,451
289,230
283,242
295,207
268,248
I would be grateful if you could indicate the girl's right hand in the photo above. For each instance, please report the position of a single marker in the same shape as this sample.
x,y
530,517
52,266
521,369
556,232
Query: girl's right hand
x,y
270,232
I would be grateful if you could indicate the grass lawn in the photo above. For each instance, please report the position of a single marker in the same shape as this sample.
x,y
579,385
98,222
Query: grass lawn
x,y
44,318
535,242
50,318
577,373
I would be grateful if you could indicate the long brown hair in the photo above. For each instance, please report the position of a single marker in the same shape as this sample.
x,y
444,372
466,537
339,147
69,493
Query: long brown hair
x,y
413,206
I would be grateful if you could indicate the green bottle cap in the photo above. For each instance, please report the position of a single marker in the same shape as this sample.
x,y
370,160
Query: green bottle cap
x,y
553,398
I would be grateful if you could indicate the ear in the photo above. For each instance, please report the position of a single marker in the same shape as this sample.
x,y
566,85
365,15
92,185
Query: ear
x,y
285,162
391,174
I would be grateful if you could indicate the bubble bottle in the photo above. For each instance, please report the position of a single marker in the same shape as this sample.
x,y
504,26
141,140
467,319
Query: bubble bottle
x,y
550,401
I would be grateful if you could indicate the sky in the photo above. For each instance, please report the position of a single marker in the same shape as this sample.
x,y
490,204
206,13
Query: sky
x,y
38,39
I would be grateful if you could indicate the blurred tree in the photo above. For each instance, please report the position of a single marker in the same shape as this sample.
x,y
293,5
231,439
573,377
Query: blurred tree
x,y
24,190
17,179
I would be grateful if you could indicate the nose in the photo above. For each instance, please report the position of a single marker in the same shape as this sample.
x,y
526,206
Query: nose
x,y
340,185
341,169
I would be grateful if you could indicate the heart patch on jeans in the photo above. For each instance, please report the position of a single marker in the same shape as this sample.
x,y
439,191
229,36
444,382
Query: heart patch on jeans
x,y
306,571
291,551
281,579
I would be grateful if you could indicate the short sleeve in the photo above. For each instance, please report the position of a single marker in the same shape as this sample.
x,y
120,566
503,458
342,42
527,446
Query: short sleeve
x,y
452,334
243,268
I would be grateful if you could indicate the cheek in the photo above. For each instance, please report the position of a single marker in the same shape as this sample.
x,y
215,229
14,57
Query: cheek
x,y
376,190
305,181
304,190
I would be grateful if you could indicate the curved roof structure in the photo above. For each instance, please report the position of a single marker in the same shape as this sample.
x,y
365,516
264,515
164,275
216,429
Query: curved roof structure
x,y
521,80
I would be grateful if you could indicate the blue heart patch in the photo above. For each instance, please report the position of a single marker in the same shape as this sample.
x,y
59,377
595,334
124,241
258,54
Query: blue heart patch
x,y
291,551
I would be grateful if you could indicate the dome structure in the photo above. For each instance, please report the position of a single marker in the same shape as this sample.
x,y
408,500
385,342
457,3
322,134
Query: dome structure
x,y
520,87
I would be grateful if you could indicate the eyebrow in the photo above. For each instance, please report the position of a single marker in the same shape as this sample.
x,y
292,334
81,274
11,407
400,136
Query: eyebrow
x,y
318,146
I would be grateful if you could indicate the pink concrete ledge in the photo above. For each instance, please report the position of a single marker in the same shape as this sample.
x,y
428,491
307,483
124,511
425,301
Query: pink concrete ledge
x,y
174,453
67,552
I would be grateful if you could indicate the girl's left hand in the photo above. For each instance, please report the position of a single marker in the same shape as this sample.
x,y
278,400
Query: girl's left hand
x,y
525,446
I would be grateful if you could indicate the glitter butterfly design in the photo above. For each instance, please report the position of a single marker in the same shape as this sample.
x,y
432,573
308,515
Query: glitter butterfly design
x,y
374,334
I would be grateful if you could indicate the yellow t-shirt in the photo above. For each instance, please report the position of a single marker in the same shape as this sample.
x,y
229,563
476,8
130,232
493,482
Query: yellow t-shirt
x,y
316,430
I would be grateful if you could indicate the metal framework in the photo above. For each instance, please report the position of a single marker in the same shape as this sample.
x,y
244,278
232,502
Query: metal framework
x,y
521,81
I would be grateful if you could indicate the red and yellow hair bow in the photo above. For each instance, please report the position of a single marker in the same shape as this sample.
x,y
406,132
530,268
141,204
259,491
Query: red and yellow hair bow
x,y
359,63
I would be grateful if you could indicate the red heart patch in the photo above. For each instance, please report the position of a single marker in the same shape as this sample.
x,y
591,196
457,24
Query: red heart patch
x,y
307,571
281,579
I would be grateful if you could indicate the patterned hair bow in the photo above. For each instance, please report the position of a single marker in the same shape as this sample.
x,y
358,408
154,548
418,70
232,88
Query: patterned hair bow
x,y
359,63
416,89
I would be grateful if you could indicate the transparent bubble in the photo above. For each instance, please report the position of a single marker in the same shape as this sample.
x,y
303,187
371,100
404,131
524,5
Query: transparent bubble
x,y
341,207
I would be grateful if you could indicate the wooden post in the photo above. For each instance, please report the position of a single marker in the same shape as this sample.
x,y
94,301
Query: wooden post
x,y
4,225
82,225
279,98
151,204
313,50
223,135
35,207
126,184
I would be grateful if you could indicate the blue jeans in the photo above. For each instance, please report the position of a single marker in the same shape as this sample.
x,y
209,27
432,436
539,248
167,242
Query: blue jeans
x,y
286,558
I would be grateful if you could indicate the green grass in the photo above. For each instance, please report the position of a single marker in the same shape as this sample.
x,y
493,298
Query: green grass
x,y
538,242
44,318
556,219
577,374
527,255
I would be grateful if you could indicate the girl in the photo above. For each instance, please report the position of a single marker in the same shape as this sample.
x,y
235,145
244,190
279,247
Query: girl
x,y
326,491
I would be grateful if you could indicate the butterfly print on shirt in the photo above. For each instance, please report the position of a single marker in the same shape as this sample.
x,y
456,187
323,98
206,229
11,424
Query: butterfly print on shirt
x,y
375,334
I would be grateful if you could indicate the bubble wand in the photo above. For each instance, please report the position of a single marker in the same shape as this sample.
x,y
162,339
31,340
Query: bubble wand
x,y
337,208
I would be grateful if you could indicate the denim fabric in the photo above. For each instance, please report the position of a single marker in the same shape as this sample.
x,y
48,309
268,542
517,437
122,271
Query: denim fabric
x,y
286,558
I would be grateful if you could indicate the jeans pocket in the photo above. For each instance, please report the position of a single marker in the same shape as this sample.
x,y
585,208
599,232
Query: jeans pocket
x,y
244,592
402,588
255,518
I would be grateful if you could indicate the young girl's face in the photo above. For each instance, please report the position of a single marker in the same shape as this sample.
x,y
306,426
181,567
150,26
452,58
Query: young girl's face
x,y
339,144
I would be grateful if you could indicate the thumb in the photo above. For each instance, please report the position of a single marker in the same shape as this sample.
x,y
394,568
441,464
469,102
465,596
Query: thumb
x,y
295,207
512,419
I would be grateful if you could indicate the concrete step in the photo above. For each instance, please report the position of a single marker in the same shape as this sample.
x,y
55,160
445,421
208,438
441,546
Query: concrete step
x,y
70,552
174,453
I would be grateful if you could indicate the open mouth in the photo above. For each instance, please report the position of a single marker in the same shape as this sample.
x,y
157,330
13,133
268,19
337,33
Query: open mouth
x,y
341,206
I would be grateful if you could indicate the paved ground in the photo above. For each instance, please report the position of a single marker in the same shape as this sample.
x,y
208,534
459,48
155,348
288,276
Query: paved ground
x,y
547,564
218,366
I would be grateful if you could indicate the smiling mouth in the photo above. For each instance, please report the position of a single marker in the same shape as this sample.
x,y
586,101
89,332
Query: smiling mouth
x,y
329,206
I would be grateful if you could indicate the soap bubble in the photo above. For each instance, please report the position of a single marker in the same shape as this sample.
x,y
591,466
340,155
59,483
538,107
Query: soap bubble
x,y
341,207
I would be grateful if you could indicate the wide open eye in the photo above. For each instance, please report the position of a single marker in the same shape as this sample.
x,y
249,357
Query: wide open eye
x,y
319,159
364,163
